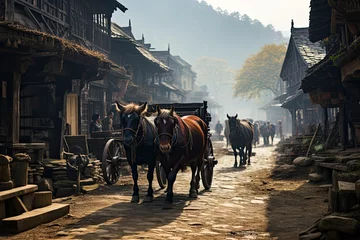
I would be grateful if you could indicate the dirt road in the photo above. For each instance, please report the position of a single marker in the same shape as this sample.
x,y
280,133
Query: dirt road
x,y
244,203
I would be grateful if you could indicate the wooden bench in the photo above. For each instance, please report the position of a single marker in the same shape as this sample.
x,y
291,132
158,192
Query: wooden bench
x,y
17,211
16,201
326,169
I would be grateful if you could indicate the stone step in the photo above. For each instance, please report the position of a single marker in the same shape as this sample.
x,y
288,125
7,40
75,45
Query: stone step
x,y
15,192
34,218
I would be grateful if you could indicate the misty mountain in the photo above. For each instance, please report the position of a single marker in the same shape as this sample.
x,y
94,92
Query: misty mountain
x,y
195,29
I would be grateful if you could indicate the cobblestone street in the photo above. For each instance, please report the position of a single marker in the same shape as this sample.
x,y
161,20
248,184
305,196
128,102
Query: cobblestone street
x,y
244,203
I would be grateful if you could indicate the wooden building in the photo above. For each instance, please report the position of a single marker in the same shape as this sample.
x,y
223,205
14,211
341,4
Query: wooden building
x,y
183,75
43,72
300,56
153,77
334,82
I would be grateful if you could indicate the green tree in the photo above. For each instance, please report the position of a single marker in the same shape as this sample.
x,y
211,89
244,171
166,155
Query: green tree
x,y
260,72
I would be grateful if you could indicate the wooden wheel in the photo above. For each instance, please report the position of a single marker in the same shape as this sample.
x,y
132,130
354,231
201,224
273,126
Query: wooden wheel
x,y
161,175
207,169
111,164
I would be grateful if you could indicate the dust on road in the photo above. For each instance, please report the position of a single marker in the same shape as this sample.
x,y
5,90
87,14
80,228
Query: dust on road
x,y
244,203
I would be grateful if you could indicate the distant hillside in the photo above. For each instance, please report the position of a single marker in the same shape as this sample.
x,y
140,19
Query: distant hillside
x,y
195,29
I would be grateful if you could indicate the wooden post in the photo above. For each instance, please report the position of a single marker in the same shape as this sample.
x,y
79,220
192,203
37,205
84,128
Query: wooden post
x,y
344,126
326,121
294,121
312,140
14,108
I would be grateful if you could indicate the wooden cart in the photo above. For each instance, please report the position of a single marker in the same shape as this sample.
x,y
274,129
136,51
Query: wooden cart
x,y
200,110
105,146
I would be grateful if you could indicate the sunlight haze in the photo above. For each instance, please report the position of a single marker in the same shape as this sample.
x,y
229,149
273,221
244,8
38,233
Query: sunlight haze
x,y
278,12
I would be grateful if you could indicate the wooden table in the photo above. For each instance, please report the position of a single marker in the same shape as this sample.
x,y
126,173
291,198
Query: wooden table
x,y
35,150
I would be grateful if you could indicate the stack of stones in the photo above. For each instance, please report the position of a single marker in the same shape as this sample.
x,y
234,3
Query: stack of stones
x,y
36,171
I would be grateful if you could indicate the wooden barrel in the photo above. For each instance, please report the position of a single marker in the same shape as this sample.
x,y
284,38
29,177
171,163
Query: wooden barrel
x,y
19,169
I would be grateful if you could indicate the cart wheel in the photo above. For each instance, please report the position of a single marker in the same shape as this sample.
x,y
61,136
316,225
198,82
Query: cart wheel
x,y
207,169
160,175
111,164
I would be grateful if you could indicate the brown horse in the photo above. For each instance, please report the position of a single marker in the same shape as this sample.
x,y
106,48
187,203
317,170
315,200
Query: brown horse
x,y
182,141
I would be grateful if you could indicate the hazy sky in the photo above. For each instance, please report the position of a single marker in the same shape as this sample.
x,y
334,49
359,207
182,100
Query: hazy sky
x,y
276,12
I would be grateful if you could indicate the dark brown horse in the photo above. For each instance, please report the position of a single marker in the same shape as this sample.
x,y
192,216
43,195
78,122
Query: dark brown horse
x,y
241,137
139,135
182,141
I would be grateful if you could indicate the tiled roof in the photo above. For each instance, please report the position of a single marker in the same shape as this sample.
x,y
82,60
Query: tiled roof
x,y
118,32
312,53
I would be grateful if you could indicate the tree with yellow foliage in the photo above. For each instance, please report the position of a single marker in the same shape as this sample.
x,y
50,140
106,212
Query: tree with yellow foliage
x,y
261,72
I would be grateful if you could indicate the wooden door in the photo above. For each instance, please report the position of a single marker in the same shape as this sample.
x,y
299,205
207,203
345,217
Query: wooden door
x,y
72,113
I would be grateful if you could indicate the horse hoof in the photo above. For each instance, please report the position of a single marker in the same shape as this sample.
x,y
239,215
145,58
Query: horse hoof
x,y
235,165
148,199
249,163
167,205
193,195
135,199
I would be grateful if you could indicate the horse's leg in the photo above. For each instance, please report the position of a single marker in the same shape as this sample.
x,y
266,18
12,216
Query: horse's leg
x,y
135,176
245,155
249,154
150,176
241,153
235,155
171,181
199,166
193,187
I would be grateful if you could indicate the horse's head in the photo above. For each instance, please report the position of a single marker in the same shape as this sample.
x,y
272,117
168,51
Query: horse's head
x,y
130,117
166,123
232,122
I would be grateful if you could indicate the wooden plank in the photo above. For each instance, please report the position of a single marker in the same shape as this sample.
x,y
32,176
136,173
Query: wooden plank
x,y
35,217
335,166
4,195
346,186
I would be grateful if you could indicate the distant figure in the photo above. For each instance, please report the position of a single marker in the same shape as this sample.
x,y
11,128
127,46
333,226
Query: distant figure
x,y
272,131
95,125
281,131
265,133
256,134
218,128
107,122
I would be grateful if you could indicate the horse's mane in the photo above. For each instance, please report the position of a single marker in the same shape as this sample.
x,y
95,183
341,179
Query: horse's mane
x,y
165,113
132,107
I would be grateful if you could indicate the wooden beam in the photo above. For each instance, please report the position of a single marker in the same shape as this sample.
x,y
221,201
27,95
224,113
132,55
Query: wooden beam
x,y
45,54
